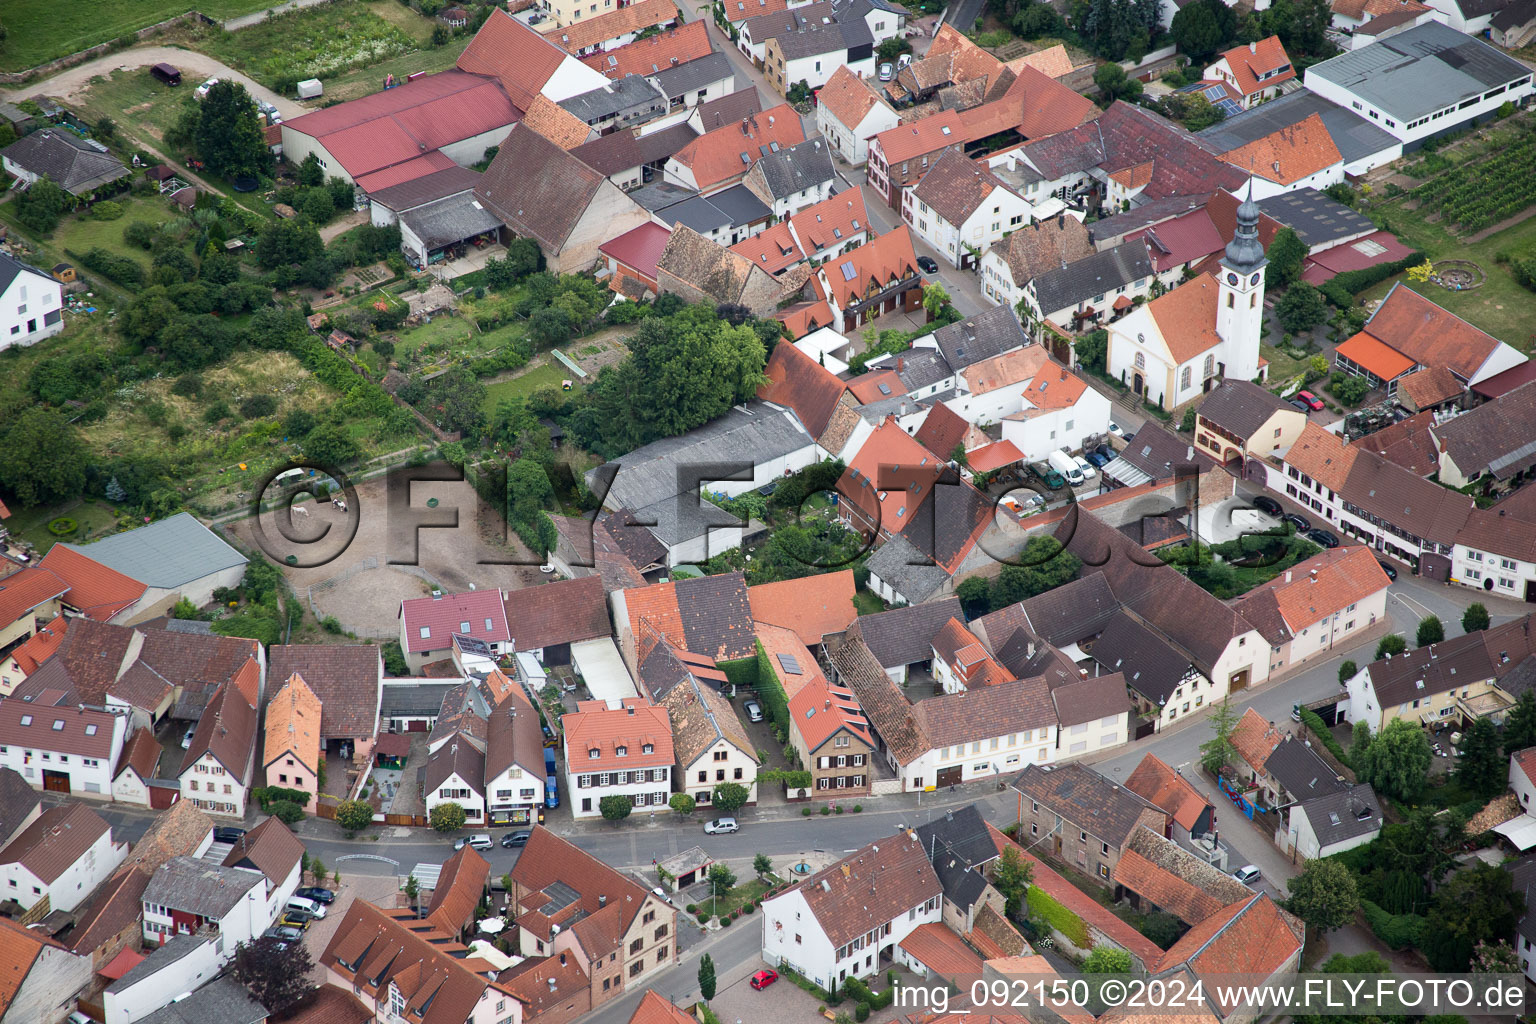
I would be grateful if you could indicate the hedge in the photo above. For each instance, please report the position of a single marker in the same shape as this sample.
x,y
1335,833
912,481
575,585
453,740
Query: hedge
x,y
862,993
121,269
286,811
1353,282
1400,931
268,795
772,692
1310,719
741,673
1045,907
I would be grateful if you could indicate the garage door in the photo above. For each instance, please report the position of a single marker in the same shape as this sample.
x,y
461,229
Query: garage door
x,y
949,776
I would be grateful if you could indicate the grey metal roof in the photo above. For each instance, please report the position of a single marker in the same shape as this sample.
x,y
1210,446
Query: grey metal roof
x,y
1417,72
415,699
963,832
693,75
66,160
907,570
797,168
660,195
1099,274
170,553
175,948
630,93
746,435
1356,137
197,887
739,204
449,220
698,213
1319,221
1346,814
989,333
223,1002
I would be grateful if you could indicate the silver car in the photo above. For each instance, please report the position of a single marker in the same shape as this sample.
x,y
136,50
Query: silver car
x,y
754,710
721,826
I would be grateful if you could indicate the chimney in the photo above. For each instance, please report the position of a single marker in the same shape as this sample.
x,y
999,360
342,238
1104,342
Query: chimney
x,y
1287,575
602,901
562,959
1061,220
901,364
829,705
551,984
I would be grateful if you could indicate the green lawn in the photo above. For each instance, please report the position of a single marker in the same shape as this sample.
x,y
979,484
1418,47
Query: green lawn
x,y
94,519
318,42
1281,366
868,602
40,30
742,894
81,233
1501,307
525,384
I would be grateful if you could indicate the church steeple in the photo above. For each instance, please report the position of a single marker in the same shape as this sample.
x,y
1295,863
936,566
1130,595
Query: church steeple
x,y
1245,253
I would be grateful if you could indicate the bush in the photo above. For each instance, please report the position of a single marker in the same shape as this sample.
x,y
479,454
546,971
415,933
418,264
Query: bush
x,y
692,908
447,817
725,922
258,406
1312,721
805,812
858,808
1347,670
749,908
121,269
861,1012
63,526
266,796
106,210
354,815
825,810
1400,931
286,811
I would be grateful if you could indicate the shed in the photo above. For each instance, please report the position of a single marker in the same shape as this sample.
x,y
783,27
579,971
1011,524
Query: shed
x,y
63,273
686,868
392,750
160,172
453,17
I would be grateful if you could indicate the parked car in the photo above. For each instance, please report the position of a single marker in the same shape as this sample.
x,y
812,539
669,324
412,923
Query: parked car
x,y
1096,460
1047,475
294,919
762,979
662,895
887,72
1085,467
324,897
721,826
478,841
927,265
903,61
1300,405
202,90
1313,402
228,834
283,934
1269,506
1388,568
1108,452
1295,712
1248,874
186,737
310,907
1302,523
754,710
1323,537
1115,428
166,73
518,838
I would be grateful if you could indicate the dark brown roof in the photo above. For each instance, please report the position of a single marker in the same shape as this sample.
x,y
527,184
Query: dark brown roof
x,y
52,723
634,539
1066,614
1152,666
1091,699
330,1005
1489,654
17,799
709,615
1241,407
460,886
1404,499
1408,443
889,712
344,676
457,756
1086,799
374,951
969,715
112,908
513,735
623,151
537,188
729,109
558,613
955,187
269,848
227,730
804,385
141,753
871,887
903,636
548,859
56,840
1495,437
429,187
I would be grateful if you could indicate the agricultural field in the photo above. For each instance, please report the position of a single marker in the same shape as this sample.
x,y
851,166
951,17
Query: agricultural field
x,y
1478,194
135,102
40,30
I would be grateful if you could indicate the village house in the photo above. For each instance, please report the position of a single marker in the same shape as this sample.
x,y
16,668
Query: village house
x,y
1331,823
1318,604
1240,420
1009,265
44,977
217,769
881,276
1192,815
184,964
60,746
610,29
69,162
348,681
1100,288
792,178
291,751
711,745
455,770
173,558
429,624
849,918
60,859
1088,818
273,851
709,616
810,52
961,209
514,761
1256,72
20,805
1292,158
901,640
31,303
186,894
849,112
624,751
722,156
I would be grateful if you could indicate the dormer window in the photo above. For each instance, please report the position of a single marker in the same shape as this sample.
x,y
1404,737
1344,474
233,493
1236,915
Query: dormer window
x,y
622,751
647,748
594,754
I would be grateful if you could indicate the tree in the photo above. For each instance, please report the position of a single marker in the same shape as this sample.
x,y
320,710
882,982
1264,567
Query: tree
x,y
275,973
230,138
762,864
447,817
1286,253
1301,308
1187,424
42,204
316,206
42,458
1494,958
457,397
1347,670
1482,769
1218,751
1397,761
1202,28
287,242
1520,726
1323,895
311,173
1431,631
1475,618
354,815
973,594
615,808
1393,644
1043,565
317,870
721,879
682,803
1474,906
1115,83
935,298
729,797
1107,960
1014,874
707,977
330,445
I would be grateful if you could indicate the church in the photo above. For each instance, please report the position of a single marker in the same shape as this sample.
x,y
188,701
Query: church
x,y
1184,343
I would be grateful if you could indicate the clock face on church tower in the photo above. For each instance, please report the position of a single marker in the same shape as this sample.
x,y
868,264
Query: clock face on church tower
x,y
1254,279
1232,279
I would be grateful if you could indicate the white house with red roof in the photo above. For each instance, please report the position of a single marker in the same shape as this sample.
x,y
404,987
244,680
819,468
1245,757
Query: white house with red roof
x,y
428,624
618,751
62,748
1059,409
1256,72
849,112
62,856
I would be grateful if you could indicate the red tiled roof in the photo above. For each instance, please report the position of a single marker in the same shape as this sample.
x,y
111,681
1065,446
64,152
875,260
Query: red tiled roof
x,y
813,606
459,888
23,591
1042,106
1254,937
41,646
1186,317
803,318
512,53
19,949
820,709
796,380
832,221
1288,154
655,53
928,135
890,477
1429,334
1165,889
479,610
1255,739
596,726
121,964
96,591
773,249
653,1008
993,456
1251,61
1055,387
621,21
879,262
847,97
409,170
1160,784
876,386
558,613
715,157
942,951
374,951
1376,356
141,753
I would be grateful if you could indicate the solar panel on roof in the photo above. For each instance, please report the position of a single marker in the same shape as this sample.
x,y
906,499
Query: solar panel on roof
x,y
791,664
473,645
848,272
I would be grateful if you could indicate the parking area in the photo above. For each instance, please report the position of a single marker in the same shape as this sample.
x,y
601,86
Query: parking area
x,y
380,890
1230,519
737,1001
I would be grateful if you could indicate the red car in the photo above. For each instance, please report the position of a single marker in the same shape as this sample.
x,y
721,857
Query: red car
x,y
1313,402
762,979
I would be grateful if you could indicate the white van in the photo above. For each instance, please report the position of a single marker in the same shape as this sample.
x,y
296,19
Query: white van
x,y
309,906
1066,465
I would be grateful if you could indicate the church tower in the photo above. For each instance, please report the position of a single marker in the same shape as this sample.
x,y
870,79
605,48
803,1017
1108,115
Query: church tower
x,y
1240,314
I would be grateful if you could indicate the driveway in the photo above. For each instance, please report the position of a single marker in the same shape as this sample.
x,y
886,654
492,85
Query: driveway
x,y
68,84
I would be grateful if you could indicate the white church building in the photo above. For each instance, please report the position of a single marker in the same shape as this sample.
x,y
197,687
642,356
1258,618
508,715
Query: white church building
x,y
1187,341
